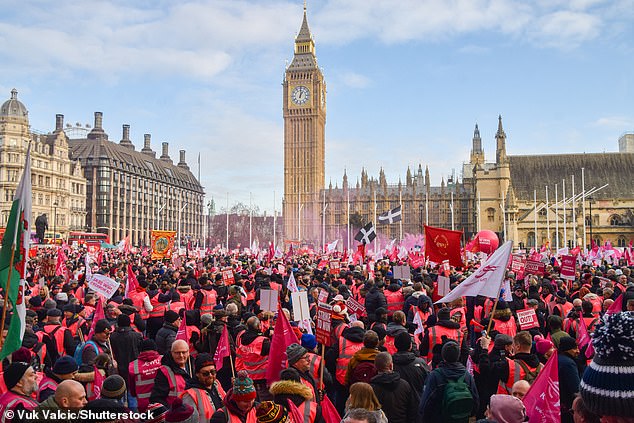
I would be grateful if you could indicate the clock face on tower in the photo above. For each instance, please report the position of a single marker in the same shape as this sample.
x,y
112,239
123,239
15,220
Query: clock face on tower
x,y
300,95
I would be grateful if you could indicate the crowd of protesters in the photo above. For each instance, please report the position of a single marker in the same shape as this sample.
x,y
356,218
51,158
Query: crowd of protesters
x,y
405,359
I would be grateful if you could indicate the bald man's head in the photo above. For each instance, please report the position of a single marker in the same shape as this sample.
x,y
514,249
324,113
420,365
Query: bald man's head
x,y
70,395
180,352
357,324
520,388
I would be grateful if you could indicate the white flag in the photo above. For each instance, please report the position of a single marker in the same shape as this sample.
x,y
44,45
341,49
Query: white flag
x,y
332,247
418,322
487,279
292,284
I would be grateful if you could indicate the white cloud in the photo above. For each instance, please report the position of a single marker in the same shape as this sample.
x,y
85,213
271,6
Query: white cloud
x,y
565,29
615,122
355,80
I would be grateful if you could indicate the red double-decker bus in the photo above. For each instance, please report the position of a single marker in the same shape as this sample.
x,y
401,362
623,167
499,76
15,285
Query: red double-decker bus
x,y
87,238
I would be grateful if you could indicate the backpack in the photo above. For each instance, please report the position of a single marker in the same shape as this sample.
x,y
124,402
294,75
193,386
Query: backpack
x,y
80,350
530,376
457,401
363,372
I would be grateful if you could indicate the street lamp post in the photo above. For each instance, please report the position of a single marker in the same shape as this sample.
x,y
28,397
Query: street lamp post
x,y
180,211
420,217
591,239
55,223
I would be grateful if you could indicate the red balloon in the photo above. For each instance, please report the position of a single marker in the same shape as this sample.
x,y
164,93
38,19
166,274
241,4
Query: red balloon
x,y
488,241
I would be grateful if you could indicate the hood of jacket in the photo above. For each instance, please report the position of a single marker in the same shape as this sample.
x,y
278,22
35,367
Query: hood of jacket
x,y
249,336
531,359
353,334
149,355
403,358
394,329
388,380
291,388
393,287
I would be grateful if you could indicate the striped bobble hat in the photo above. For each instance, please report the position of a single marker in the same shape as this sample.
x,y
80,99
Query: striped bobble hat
x,y
607,386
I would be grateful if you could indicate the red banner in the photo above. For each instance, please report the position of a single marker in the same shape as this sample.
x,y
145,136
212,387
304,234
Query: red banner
x,y
335,267
568,267
227,277
542,399
535,267
355,307
527,319
518,264
443,244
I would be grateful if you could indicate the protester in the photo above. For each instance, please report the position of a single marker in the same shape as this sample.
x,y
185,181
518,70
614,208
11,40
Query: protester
x,y
21,382
362,396
204,392
173,375
64,368
239,403
399,400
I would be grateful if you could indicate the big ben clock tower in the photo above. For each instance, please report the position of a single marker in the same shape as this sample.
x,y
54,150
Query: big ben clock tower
x,y
304,99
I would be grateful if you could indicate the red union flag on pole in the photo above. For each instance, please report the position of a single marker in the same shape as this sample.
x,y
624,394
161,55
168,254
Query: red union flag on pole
x,y
542,399
486,280
222,349
443,244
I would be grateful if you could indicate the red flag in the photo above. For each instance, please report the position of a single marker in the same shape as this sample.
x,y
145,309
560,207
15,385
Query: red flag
x,y
296,415
583,337
271,251
97,315
329,412
542,399
132,284
283,336
97,383
60,266
616,307
222,349
100,257
182,328
360,254
443,244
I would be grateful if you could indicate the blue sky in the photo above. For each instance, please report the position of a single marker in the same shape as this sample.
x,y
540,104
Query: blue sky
x,y
407,80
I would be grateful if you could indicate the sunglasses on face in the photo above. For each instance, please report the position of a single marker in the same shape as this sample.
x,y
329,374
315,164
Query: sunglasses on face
x,y
208,373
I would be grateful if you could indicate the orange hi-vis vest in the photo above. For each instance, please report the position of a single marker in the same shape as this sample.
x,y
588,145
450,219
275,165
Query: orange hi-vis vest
x,y
590,323
564,309
516,372
73,327
308,409
204,404
347,349
435,337
210,299
176,383
315,363
137,298
395,300
159,308
597,305
231,418
507,328
249,358
144,373
338,331
56,332
459,315
176,306
188,298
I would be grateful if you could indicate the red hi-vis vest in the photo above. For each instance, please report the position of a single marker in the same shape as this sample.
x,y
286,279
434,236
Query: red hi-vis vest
x,y
395,301
231,418
590,323
176,383
435,337
308,410
45,383
315,363
249,358
57,333
564,309
176,306
507,328
459,315
159,308
132,324
338,331
144,373
10,400
74,327
210,298
203,402
188,298
516,372
137,300
347,349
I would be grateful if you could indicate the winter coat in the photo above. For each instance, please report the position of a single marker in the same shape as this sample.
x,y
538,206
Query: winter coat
x,y
126,345
434,390
374,299
165,337
353,334
414,370
397,398
569,381
296,392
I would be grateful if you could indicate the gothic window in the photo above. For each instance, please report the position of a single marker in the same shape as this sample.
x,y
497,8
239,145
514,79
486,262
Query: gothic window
x,y
621,242
491,214
530,240
615,220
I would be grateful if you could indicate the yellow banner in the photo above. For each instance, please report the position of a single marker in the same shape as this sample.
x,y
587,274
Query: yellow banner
x,y
162,244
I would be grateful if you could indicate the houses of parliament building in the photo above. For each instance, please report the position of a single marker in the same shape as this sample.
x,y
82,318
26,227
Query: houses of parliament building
x,y
561,200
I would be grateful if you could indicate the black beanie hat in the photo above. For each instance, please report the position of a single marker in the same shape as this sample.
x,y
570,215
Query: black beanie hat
x,y
444,314
123,321
171,316
14,373
148,345
113,387
450,351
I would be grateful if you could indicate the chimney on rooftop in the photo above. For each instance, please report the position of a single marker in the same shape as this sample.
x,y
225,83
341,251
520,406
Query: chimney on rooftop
x,y
146,146
125,139
182,163
97,132
59,123
165,152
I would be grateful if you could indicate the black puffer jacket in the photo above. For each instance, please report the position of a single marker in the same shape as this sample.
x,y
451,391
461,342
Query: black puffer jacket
x,y
165,338
373,300
414,370
397,398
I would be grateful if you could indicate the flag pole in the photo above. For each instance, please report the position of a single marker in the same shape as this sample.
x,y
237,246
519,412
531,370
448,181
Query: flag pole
x,y
233,371
556,218
6,294
583,206
563,201
574,215
400,203
321,370
547,220
374,220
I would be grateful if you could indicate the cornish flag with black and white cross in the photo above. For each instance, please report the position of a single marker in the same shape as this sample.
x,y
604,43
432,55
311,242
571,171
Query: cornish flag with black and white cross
x,y
390,216
366,234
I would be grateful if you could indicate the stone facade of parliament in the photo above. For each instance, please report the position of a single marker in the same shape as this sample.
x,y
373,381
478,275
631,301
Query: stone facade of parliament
x,y
526,199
